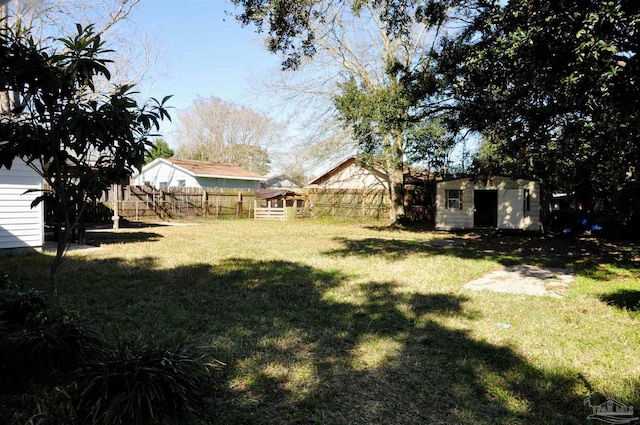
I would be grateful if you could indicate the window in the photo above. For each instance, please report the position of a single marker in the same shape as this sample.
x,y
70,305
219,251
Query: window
x,y
454,200
181,183
163,185
526,200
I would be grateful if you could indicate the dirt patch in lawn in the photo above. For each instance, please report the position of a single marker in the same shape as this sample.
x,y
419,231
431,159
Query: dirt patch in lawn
x,y
525,279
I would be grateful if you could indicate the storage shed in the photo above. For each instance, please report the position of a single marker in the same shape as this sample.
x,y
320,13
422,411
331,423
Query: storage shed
x,y
21,227
496,202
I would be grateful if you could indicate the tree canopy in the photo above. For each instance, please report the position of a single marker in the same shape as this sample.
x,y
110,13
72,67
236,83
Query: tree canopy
x,y
379,55
219,131
555,88
160,149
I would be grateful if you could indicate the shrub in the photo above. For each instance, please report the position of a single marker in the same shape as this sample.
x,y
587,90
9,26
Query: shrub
x,y
42,405
38,342
47,346
144,385
17,307
57,370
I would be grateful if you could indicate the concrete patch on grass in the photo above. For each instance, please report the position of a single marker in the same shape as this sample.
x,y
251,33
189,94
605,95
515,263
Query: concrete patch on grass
x,y
52,246
526,280
446,242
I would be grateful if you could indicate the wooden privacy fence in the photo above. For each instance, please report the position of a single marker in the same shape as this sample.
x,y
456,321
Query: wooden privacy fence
x,y
144,202
374,204
350,203
140,202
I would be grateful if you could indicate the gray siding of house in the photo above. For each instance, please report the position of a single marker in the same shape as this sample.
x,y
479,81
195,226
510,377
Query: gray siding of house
x,y
210,182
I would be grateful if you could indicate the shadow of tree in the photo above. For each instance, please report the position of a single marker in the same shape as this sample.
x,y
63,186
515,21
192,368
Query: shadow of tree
x,y
295,354
506,249
98,238
625,299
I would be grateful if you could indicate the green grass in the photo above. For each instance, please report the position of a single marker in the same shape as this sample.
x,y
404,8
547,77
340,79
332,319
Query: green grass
x,y
337,323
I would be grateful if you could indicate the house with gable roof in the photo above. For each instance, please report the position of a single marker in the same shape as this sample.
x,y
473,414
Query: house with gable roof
x,y
350,174
171,172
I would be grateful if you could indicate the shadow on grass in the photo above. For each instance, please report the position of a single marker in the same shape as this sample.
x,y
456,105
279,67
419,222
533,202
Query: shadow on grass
x,y
624,299
297,353
506,249
98,238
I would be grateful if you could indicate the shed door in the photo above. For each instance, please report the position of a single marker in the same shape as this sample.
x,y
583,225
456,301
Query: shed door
x,y
485,208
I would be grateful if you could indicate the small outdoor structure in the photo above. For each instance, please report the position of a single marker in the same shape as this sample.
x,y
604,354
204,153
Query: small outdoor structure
x,y
171,172
496,202
21,227
279,204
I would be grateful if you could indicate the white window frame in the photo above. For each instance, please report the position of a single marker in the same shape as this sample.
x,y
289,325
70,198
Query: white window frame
x,y
453,202
526,204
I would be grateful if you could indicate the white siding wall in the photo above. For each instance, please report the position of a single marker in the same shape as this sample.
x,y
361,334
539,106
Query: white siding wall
x,y
511,212
450,218
163,173
355,177
20,225
510,209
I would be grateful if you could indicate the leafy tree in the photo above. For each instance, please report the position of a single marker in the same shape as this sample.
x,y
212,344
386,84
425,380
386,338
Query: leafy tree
x,y
380,54
555,85
80,140
160,149
218,131
432,145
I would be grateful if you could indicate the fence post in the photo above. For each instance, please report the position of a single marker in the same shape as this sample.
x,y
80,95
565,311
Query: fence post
x,y
239,206
116,218
205,205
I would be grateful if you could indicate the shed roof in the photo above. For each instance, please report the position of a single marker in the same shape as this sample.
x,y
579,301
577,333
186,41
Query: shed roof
x,y
275,193
476,178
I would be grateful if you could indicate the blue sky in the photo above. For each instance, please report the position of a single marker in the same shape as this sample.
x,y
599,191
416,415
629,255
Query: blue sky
x,y
203,52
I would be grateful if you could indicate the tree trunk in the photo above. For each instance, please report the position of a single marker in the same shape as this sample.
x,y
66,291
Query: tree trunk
x,y
395,170
54,271
69,221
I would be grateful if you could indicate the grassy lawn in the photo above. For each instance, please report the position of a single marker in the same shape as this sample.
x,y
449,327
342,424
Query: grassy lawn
x,y
344,324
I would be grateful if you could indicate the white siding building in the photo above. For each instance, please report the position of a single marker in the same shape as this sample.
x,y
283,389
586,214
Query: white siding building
x,y
21,227
498,203
171,172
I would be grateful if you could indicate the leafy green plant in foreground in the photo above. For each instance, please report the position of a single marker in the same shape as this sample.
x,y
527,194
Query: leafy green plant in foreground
x,y
56,369
17,306
142,385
